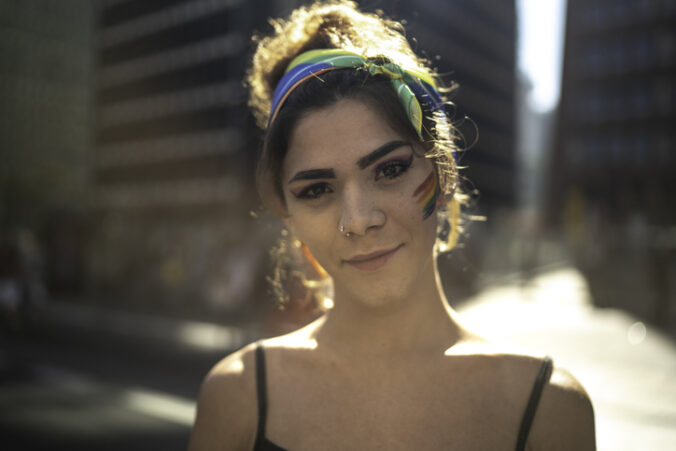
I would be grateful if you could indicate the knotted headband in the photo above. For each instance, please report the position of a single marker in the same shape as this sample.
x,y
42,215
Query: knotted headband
x,y
412,86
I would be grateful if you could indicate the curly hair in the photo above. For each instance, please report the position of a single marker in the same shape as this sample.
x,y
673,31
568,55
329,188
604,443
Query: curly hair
x,y
339,24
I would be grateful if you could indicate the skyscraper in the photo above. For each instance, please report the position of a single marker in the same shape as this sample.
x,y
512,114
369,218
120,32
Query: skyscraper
x,y
612,180
173,149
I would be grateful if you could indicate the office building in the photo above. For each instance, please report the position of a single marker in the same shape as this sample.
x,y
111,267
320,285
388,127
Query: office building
x,y
612,182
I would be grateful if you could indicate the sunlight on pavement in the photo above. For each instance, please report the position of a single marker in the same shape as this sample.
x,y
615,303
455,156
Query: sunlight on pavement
x,y
626,366
160,405
66,403
196,335
209,337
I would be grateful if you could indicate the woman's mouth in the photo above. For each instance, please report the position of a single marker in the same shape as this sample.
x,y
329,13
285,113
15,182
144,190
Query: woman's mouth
x,y
374,260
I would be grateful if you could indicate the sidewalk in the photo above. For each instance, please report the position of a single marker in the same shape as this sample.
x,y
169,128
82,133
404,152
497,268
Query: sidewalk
x,y
627,367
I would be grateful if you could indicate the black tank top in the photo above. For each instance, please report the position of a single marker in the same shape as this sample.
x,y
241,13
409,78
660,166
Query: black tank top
x,y
263,444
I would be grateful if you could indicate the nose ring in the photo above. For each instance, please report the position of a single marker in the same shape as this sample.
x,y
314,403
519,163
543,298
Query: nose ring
x,y
341,229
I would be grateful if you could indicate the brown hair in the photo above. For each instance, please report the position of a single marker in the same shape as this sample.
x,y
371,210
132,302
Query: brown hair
x,y
339,24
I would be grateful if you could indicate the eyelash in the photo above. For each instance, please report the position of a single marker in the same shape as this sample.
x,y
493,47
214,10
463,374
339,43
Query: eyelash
x,y
309,194
401,165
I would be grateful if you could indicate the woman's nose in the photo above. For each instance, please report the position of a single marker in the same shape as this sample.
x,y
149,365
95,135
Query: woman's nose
x,y
360,212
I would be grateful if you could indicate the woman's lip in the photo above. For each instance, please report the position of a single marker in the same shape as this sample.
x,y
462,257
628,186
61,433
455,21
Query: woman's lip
x,y
374,260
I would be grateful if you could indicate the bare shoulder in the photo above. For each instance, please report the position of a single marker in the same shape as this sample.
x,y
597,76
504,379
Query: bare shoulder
x,y
565,415
226,408
564,418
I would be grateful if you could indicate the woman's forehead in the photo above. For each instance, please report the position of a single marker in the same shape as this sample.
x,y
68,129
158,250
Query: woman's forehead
x,y
337,135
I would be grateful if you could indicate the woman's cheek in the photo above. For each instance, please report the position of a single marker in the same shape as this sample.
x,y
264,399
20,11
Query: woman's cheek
x,y
425,195
315,232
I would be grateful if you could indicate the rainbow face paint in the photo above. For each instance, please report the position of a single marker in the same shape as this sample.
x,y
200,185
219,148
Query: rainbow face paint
x,y
427,195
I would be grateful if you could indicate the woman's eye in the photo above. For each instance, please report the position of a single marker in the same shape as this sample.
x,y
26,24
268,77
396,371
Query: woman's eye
x,y
393,168
313,191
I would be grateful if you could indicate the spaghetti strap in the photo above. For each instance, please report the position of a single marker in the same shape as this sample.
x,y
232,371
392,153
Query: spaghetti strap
x,y
262,443
261,392
542,378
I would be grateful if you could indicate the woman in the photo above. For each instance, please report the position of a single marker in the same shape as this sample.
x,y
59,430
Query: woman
x,y
359,162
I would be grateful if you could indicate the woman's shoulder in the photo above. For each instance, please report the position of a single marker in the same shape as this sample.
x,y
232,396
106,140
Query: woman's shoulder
x,y
298,341
522,362
235,367
227,397
564,417
237,371
500,358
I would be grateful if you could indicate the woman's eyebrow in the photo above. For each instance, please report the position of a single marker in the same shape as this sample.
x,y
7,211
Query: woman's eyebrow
x,y
312,174
380,152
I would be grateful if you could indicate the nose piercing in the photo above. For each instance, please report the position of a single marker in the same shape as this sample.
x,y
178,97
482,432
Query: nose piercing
x,y
341,229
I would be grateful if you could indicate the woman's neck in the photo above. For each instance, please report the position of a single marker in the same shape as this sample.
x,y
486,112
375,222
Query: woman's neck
x,y
423,321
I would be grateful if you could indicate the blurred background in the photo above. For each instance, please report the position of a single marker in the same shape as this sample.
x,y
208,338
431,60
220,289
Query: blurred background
x,y
134,249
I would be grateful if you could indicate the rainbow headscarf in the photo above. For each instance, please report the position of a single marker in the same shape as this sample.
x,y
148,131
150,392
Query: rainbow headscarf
x,y
412,86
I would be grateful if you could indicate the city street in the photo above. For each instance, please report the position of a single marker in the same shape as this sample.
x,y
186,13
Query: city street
x,y
112,381
626,366
97,381
143,144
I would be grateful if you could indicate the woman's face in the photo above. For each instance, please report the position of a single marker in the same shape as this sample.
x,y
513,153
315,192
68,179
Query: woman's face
x,y
346,166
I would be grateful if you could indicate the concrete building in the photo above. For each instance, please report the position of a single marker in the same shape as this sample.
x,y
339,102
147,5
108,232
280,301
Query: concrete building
x,y
173,152
45,72
612,183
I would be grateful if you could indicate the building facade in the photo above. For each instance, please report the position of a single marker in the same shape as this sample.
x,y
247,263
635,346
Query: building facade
x,y
612,183
45,95
173,149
